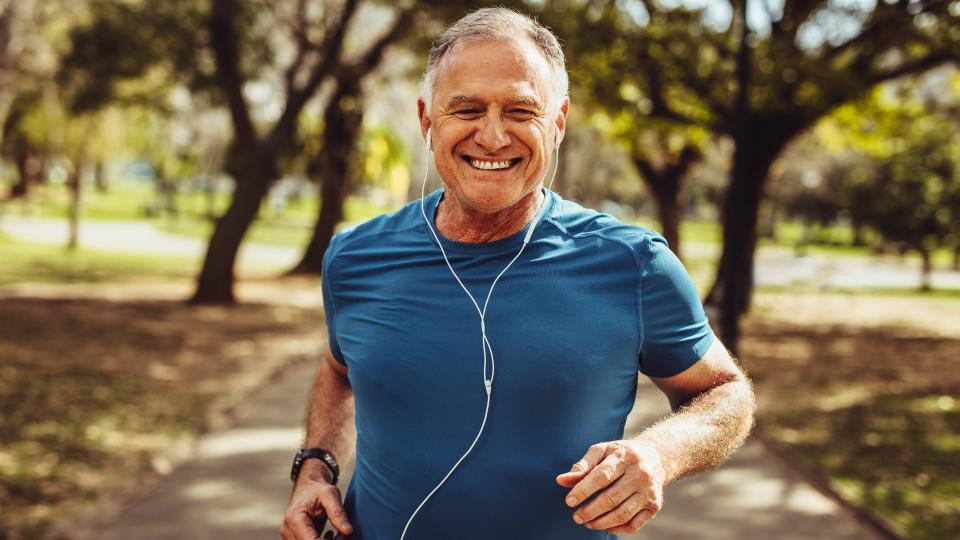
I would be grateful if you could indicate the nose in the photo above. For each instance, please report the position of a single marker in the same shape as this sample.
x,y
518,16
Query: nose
x,y
491,136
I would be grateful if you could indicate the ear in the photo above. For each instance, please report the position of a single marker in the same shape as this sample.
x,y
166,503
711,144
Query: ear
x,y
561,120
424,119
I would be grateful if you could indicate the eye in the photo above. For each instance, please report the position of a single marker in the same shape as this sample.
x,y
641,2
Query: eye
x,y
522,114
469,113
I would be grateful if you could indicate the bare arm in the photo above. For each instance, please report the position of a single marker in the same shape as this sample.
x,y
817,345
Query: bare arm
x,y
330,425
713,408
330,416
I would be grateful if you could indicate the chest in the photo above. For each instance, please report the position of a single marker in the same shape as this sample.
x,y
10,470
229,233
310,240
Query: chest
x,y
567,324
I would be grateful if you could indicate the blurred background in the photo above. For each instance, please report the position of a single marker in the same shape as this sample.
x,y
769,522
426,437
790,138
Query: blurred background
x,y
171,173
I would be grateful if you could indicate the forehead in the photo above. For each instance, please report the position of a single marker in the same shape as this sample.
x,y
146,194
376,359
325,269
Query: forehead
x,y
489,70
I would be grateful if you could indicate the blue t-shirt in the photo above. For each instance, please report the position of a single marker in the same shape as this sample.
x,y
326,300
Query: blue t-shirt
x,y
589,303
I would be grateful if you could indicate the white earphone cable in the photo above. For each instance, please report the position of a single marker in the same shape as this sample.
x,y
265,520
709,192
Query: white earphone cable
x,y
485,342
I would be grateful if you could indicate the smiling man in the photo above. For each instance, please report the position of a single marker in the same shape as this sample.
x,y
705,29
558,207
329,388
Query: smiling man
x,y
485,341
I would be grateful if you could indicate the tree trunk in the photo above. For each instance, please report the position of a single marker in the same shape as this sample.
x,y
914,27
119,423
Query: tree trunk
x,y
22,188
669,210
859,238
100,177
343,121
29,169
75,187
754,153
925,270
215,282
665,183
331,213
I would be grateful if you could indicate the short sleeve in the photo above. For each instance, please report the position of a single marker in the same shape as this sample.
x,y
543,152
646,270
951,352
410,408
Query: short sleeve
x,y
329,303
675,330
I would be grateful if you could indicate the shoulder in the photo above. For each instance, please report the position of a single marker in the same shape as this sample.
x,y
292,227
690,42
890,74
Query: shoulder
x,y
586,226
376,231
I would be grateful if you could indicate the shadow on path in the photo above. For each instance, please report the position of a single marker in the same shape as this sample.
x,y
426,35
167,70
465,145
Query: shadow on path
x,y
237,487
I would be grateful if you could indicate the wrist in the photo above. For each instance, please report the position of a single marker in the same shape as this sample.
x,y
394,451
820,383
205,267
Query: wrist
x,y
316,459
315,470
651,459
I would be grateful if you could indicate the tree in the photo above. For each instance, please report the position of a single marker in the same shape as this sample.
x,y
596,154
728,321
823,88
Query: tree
x,y
617,66
764,83
178,40
912,197
10,18
336,164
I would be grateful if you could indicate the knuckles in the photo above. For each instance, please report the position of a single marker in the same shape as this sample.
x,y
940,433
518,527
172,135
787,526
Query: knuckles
x,y
609,499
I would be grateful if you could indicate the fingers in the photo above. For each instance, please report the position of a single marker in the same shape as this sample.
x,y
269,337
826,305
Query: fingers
x,y
330,499
636,522
309,507
622,514
609,500
298,527
570,479
590,460
604,474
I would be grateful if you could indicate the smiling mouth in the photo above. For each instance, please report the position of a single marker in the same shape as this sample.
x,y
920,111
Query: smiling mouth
x,y
488,165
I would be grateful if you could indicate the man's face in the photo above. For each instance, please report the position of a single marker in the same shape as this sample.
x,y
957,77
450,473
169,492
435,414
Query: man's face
x,y
493,123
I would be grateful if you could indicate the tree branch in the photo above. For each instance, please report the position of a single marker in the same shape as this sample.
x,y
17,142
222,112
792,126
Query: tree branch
x,y
224,41
910,68
329,52
374,54
303,44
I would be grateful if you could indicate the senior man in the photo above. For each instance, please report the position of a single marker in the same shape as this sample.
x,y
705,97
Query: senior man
x,y
486,337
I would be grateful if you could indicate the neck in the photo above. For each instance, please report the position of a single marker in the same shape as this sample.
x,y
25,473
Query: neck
x,y
461,224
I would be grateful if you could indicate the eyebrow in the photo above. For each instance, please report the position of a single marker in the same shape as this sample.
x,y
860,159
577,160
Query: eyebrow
x,y
460,100
529,101
526,100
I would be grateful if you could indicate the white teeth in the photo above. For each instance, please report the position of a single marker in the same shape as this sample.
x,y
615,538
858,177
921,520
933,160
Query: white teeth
x,y
489,165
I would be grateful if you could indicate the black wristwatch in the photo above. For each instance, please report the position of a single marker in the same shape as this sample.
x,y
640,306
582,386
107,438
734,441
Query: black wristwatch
x,y
309,453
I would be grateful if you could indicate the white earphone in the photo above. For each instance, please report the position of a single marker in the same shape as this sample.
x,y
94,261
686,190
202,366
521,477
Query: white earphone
x,y
485,341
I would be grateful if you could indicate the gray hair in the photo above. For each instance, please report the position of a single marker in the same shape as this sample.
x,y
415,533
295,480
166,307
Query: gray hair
x,y
499,24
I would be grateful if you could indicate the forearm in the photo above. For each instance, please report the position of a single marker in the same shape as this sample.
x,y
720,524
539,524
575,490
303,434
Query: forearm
x,y
330,421
704,431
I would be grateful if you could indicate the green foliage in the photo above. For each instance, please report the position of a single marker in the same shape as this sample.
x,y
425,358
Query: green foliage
x,y
914,195
131,52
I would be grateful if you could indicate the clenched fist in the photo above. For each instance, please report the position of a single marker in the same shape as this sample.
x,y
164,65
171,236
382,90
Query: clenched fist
x,y
625,479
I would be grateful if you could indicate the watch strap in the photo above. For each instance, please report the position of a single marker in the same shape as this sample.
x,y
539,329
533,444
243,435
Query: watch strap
x,y
311,453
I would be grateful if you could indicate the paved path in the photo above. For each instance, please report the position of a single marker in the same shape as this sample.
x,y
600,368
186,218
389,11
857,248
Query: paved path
x,y
237,485
777,267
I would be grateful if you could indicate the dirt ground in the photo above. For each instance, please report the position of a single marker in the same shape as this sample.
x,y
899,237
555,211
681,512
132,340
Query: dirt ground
x,y
866,390
103,388
103,395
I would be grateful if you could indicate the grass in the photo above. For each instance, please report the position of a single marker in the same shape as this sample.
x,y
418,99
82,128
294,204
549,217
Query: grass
x,y
873,406
271,233
138,199
292,228
895,454
26,262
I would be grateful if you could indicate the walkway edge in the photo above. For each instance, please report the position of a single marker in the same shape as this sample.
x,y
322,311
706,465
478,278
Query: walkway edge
x,y
791,459
85,521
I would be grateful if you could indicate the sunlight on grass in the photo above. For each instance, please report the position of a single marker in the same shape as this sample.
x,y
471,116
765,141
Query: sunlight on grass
x,y
894,454
32,263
